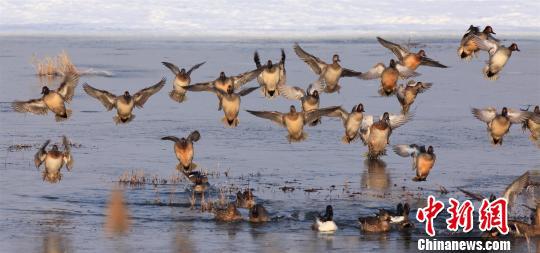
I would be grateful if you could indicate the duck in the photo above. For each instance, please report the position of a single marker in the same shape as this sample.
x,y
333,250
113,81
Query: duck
x,y
245,199
375,224
125,103
199,180
229,101
325,223
184,151
272,76
401,215
409,59
182,78
309,97
498,124
51,100
533,124
351,122
223,82
468,48
54,160
293,120
258,214
498,56
230,213
423,159
406,94
376,135
330,73
388,75
520,228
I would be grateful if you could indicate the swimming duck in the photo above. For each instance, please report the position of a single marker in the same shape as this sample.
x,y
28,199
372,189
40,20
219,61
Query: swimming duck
x,y
258,214
54,160
331,73
294,121
351,121
401,215
468,48
406,94
309,97
199,180
229,101
498,56
423,160
181,79
272,76
325,223
125,103
183,148
533,124
407,58
376,135
223,82
375,224
245,199
228,214
51,100
388,75
498,125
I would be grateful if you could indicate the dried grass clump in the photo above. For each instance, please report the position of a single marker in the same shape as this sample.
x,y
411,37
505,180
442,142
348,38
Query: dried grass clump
x,y
54,66
133,179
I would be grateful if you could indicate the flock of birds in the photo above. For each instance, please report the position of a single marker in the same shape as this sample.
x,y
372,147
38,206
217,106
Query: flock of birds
x,y
373,131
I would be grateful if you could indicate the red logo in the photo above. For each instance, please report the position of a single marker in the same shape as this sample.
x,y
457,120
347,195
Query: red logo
x,y
460,215
494,215
429,213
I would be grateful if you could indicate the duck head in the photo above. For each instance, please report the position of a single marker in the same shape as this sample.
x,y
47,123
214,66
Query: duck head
x,y
183,142
127,95
45,90
536,109
230,89
329,213
258,211
292,109
422,53
222,76
386,117
54,148
514,47
359,108
183,71
315,94
504,112
269,64
406,210
489,30
335,58
392,63
430,150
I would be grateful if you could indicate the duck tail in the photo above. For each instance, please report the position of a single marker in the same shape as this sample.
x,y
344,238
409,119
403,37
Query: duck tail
x,y
315,122
346,140
497,141
302,137
63,117
490,75
385,93
178,96
464,55
119,120
419,179
230,123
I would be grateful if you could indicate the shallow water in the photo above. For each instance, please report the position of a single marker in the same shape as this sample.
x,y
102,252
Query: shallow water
x,y
69,215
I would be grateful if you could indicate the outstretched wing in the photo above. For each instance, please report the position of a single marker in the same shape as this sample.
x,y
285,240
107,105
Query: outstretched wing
x,y
316,64
142,96
485,115
67,87
341,113
398,50
406,73
171,138
40,156
350,73
374,72
487,45
106,98
196,66
518,116
318,85
432,63
312,115
36,106
528,178
257,59
68,159
405,150
291,92
367,121
273,116
397,120
209,86
400,93
247,91
172,67
246,77
194,136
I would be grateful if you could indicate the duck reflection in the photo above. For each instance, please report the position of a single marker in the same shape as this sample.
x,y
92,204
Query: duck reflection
x,y
117,220
55,243
375,176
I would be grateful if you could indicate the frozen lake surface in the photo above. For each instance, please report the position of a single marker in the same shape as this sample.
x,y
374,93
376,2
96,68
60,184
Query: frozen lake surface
x,y
35,214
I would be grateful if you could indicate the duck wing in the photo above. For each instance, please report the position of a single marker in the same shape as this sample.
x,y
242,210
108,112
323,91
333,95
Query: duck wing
x,y
350,73
485,115
142,96
405,150
486,45
374,72
517,116
426,61
397,120
246,77
318,85
172,67
406,73
68,159
398,50
312,115
271,115
68,85
35,106
291,92
341,113
208,86
106,98
316,64
194,136
247,91
529,178
172,138
400,93
40,156
196,66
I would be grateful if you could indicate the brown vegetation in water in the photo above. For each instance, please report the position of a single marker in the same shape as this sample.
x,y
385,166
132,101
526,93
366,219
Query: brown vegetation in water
x,y
117,221
54,66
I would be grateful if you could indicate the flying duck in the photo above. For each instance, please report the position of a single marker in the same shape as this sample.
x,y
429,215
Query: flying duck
x,y
309,97
223,82
406,94
125,103
533,124
272,76
409,59
54,160
498,56
181,80
331,73
498,125
376,135
51,100
351,121
388,75
423,160
468,48
183,148
294,121
325,223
